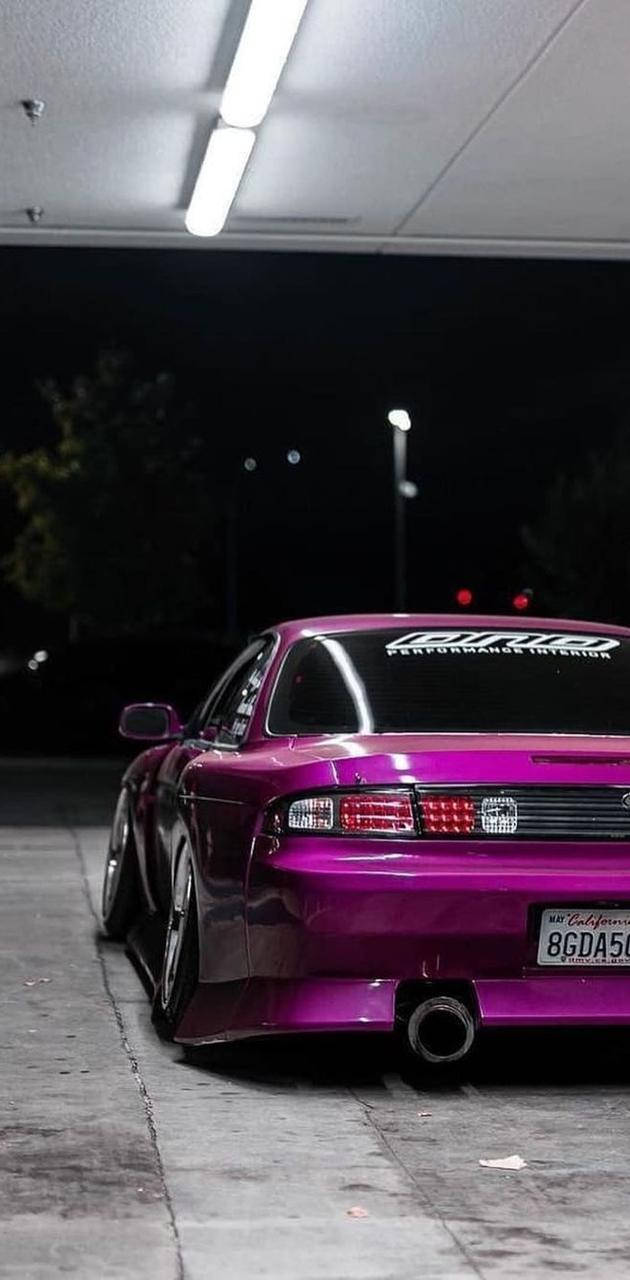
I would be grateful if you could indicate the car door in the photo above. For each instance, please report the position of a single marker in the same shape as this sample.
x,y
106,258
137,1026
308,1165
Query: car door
x,y
224,821
217,723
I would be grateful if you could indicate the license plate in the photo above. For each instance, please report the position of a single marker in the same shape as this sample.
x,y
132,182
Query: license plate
x,y
580,936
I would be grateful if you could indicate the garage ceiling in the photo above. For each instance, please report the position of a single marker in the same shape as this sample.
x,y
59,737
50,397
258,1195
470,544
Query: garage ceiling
x,y
404,126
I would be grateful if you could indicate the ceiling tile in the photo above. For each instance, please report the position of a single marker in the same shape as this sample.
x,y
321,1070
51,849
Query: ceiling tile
x,y
554,161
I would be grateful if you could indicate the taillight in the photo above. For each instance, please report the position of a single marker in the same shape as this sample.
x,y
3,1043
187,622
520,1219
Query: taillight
x,y
397,812
314,813
377,811
382,812
447,814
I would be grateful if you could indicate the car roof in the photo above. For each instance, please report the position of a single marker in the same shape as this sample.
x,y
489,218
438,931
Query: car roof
x,y
303,627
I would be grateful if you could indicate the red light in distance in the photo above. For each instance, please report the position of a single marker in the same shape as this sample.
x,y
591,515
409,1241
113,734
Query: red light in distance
x,y
521,601
464,597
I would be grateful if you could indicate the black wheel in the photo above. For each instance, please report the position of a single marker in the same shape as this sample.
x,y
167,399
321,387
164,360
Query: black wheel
x,y
121,898
180,966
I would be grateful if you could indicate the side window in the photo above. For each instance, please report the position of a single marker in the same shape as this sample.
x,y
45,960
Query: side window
x,y
234,706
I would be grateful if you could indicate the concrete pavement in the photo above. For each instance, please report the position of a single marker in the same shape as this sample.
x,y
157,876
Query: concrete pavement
x,y
117,1159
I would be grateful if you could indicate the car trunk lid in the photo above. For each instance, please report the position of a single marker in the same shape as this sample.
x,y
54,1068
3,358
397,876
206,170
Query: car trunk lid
x,y
472,759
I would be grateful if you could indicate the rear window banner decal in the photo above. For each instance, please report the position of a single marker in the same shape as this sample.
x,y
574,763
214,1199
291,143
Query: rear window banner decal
x,y
559,644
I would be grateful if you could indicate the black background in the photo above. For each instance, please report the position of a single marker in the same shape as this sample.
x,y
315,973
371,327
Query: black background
x,y
511,370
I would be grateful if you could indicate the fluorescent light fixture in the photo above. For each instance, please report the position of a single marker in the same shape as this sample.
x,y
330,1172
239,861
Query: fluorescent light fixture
x,y
399,418
218,180
264,46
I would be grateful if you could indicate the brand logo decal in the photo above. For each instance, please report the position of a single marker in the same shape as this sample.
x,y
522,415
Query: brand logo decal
x,y
499,815
560,644
625,800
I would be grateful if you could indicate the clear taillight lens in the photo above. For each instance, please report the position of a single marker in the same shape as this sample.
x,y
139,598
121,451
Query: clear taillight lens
x,y
314,813
378,811
447,814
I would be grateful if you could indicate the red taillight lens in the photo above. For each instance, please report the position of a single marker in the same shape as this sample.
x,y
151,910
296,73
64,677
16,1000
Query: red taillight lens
x,y
447,815
377,811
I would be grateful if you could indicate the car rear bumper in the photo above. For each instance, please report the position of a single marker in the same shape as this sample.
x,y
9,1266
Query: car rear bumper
x,y
333,933
567,999
269,1007
272,1007
447,913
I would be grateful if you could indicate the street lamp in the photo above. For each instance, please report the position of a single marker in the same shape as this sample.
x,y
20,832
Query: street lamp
x,y
400,420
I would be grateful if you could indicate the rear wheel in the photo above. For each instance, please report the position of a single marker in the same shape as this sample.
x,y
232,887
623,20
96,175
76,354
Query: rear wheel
x,y
180,967
121,896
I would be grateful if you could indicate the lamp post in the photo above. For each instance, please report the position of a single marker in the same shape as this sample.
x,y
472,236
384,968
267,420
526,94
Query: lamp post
x,y
400,420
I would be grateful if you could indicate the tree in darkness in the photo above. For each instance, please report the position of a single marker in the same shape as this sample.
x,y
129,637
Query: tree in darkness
x,y
115,514
579,548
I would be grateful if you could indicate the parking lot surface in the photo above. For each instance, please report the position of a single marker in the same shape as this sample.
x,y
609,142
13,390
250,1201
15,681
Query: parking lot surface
x,y
293,1160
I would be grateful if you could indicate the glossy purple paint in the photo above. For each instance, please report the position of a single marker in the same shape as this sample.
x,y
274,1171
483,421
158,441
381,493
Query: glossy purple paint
x,y
316,933
567,999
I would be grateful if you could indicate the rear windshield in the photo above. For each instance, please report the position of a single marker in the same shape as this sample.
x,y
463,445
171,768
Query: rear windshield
x,y
455,681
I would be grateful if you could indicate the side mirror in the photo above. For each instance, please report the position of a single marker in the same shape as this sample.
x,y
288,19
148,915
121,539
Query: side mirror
x,y
149,721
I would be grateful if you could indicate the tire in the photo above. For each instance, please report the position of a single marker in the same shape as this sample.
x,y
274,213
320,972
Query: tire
x,y
121,895
180,966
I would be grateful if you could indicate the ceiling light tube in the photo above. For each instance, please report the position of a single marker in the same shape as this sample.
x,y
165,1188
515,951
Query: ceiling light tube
x,y
218,180
264,46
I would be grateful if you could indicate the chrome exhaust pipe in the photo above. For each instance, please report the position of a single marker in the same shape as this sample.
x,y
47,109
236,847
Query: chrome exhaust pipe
x,y
441,1030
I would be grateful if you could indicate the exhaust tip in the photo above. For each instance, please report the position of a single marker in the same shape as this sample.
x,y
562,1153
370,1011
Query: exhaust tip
x,y
441,1030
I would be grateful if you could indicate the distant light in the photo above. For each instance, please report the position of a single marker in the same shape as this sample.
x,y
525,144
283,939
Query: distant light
x,y
32,664
263,49
522,600
294,456
464,597
250,464
218,180
408,488
41,655
399,418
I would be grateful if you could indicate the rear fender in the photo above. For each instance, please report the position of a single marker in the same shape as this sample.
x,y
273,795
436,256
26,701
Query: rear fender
x,y
140,779
221,834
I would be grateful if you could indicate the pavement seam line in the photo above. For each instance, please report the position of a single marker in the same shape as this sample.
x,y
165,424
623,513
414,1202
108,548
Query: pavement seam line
x,y
371,1120
134,1065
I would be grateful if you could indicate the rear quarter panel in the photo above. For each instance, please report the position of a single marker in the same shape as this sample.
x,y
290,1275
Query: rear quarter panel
x,y
140,779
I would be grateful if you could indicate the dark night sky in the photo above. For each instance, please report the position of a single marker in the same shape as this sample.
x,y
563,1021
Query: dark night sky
x,y
510,369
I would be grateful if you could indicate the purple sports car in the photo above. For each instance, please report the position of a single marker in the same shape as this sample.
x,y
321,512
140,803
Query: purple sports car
x,y
381,823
